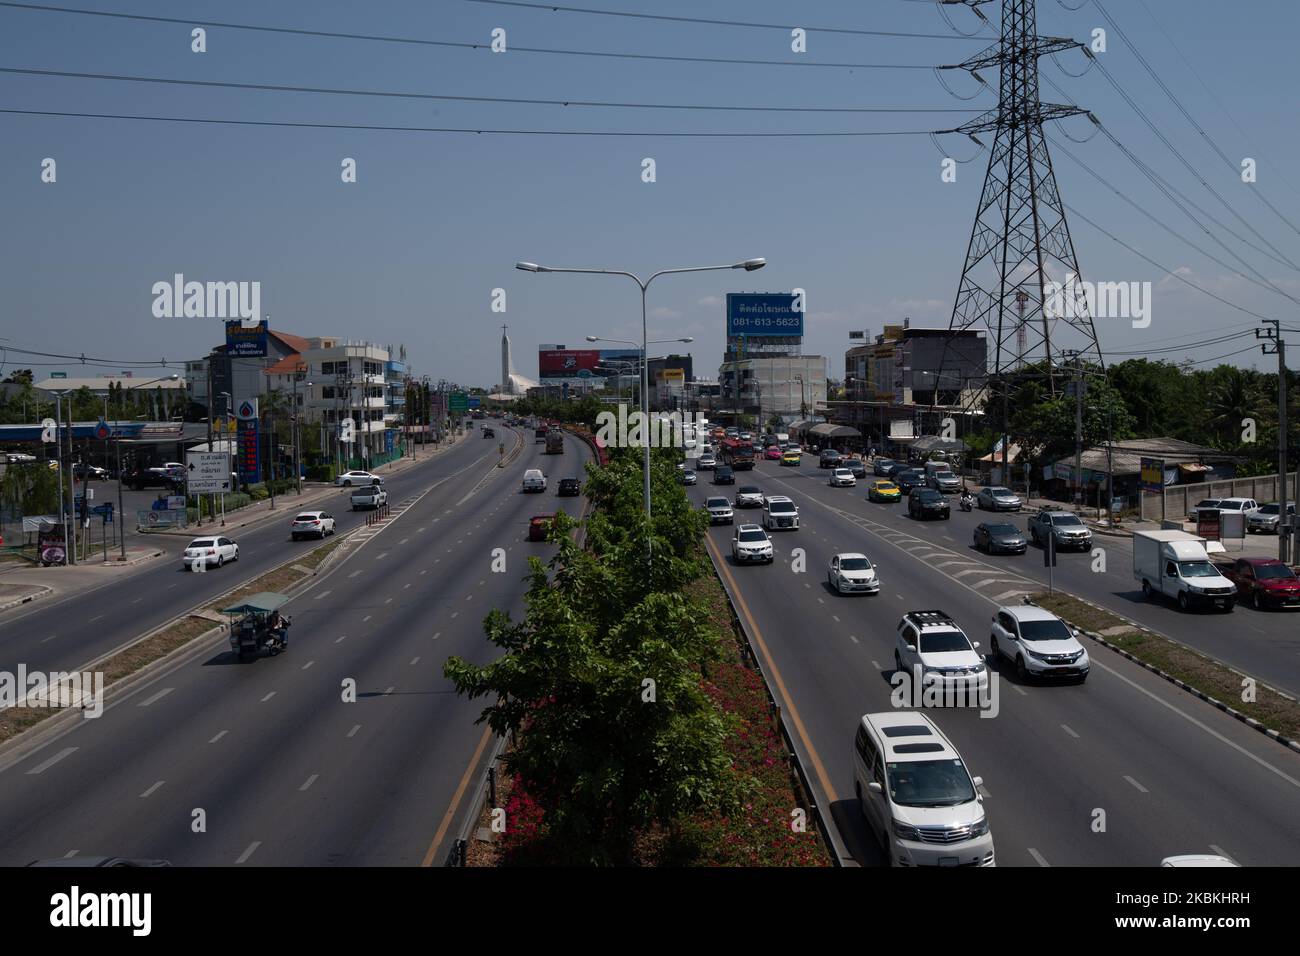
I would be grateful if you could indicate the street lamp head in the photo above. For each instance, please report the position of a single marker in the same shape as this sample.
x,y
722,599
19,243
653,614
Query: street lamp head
x,y
688,340
749,265
529,267
593,338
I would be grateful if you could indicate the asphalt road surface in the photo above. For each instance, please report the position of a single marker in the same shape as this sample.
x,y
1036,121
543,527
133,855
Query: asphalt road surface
x,y
1122,771
281,770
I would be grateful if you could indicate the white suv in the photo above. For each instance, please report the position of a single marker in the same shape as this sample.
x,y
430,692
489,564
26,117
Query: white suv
x,y
751,543
917,795
933,647
534,480
312,524
780,512
1039,642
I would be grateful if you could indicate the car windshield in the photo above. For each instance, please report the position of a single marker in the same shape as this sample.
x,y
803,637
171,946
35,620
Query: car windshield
x,y
783,507
1065,520
749,490
717,503
929,783
1003,529
203,543
939,642
752,536
1231,505
886,486
855,564
1000,492
1269,510
929,496
1208,503
1053,630
1197,569
306,517
1274,572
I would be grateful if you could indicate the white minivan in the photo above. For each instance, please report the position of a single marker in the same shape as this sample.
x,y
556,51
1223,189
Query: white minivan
x,y
534,480
916,794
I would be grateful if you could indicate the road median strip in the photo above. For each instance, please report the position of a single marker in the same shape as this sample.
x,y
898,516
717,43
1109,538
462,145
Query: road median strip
x,y
1272,713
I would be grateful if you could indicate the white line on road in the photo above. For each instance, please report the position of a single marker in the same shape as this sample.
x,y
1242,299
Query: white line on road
x,y
218,736
309,781
437,635
962,574
156,697
1020,690
267,697
820,601
252,848
1007,594
403,541
353,731
70,854
94,619
405,586
47,764
309,663
324,594
836,617
381,555
388,600
152,789
390,690
355,573
1038,857
1223,853
1069,731
366,618
424,571
854,639
455,613
1140,788
45,640
414,661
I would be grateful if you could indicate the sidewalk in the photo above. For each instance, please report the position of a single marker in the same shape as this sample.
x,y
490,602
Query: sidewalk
x,y
24,583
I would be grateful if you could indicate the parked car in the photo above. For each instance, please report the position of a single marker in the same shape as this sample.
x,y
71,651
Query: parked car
x,y
751,543
723,475
997,498
350,478
853,572
203,553
927,503
1066,527
749,496
142,478
1245,506
1205,504
917,796
1264,582
1266,518
719,510
86,472
1038,642
995,537
568,488
370,496
539,526
841,478
311,524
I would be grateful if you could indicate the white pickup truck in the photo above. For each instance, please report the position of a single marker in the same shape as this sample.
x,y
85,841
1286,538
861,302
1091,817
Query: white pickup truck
x,y
371,496
1177,565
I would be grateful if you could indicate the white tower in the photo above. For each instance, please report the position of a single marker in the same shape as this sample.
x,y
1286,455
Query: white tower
x,y
507,385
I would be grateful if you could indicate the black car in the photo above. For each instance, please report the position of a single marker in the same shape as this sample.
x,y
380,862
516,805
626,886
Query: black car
x,y
830,459
148,478
856,466
568,488
927,503
489,433
909,478
997,538
723,475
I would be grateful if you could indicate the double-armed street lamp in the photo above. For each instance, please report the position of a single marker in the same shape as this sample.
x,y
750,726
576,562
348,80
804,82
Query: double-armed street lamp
x,y
749,265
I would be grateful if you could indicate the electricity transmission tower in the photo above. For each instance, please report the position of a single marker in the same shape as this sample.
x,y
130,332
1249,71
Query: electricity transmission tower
x,y
1021,279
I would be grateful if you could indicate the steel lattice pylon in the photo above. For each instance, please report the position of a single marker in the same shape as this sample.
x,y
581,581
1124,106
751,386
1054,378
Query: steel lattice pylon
x,y
1021,255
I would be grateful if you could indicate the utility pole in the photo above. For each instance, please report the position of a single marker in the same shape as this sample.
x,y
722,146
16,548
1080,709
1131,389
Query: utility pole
x,y
211,408
1284,525
1077,475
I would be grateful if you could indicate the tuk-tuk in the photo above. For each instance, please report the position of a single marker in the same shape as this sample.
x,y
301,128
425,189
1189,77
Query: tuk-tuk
x,y
257,625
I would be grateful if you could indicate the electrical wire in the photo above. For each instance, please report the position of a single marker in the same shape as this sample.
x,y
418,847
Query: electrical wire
x,y
455,129
554,8
279,88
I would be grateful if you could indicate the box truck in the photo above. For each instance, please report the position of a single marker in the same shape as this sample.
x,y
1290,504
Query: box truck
x,y
1177,565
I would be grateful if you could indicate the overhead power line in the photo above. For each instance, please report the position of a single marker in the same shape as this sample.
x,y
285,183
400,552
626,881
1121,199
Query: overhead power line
x,y
452,44
279,88
479,131
554,8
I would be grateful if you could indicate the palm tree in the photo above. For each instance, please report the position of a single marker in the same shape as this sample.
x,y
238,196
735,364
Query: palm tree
x,y
1234,398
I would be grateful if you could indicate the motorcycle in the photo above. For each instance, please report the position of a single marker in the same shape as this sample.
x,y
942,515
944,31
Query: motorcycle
x,y
966,502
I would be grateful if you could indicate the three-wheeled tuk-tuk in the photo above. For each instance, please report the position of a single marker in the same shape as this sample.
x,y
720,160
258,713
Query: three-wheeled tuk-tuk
x,y
256,625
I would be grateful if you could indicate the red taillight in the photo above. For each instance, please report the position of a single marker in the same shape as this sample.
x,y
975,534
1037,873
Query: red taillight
x,y
316,521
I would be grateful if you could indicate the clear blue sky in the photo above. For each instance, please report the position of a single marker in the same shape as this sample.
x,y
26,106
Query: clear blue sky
x,y
412,251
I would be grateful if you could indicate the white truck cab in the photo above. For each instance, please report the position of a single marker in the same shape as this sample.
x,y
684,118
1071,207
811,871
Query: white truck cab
x,y
1177,565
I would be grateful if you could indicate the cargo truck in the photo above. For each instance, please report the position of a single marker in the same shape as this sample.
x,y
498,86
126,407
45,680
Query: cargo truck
x,y
1177,565
555,442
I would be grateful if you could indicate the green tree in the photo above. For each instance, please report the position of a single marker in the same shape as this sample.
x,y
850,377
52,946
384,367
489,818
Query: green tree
x,y
602,760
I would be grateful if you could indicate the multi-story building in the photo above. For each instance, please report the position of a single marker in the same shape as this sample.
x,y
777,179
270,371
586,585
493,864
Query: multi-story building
x,y
787,386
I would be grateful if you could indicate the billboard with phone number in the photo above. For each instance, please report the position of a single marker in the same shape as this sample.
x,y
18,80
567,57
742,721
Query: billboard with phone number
x,y
766,313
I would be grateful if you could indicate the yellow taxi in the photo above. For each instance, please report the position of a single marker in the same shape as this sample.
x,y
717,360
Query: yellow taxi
x,y
791,457
884,491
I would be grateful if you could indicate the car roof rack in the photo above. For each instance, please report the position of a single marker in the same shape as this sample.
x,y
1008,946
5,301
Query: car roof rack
x,y
925,618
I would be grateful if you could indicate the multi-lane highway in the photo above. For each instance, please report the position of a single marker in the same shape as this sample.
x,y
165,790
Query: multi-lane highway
x,y
70,632
267,754
1123,770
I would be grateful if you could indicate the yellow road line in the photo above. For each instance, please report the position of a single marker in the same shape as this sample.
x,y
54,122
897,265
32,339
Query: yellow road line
x,y
456,798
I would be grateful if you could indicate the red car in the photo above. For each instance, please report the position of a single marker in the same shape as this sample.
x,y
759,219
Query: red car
x,y
772,453
1265,582
538,527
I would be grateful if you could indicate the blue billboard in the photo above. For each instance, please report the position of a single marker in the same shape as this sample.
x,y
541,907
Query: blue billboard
x,y
246,342
764,313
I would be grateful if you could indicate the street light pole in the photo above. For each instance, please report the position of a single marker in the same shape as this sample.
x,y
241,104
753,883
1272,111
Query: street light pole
x,y
749,265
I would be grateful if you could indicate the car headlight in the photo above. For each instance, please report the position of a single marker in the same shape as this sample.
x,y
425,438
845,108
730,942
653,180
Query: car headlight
x,y
905,831
980,828
1035,656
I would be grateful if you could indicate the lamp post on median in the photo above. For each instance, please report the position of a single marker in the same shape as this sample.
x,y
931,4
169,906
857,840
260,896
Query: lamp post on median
x,y
121,514
749,265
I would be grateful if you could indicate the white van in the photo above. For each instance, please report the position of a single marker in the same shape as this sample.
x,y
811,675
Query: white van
x,y
534,480
1177,565
916,794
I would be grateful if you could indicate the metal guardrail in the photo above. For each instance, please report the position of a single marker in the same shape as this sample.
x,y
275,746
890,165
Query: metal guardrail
x,y
485,795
